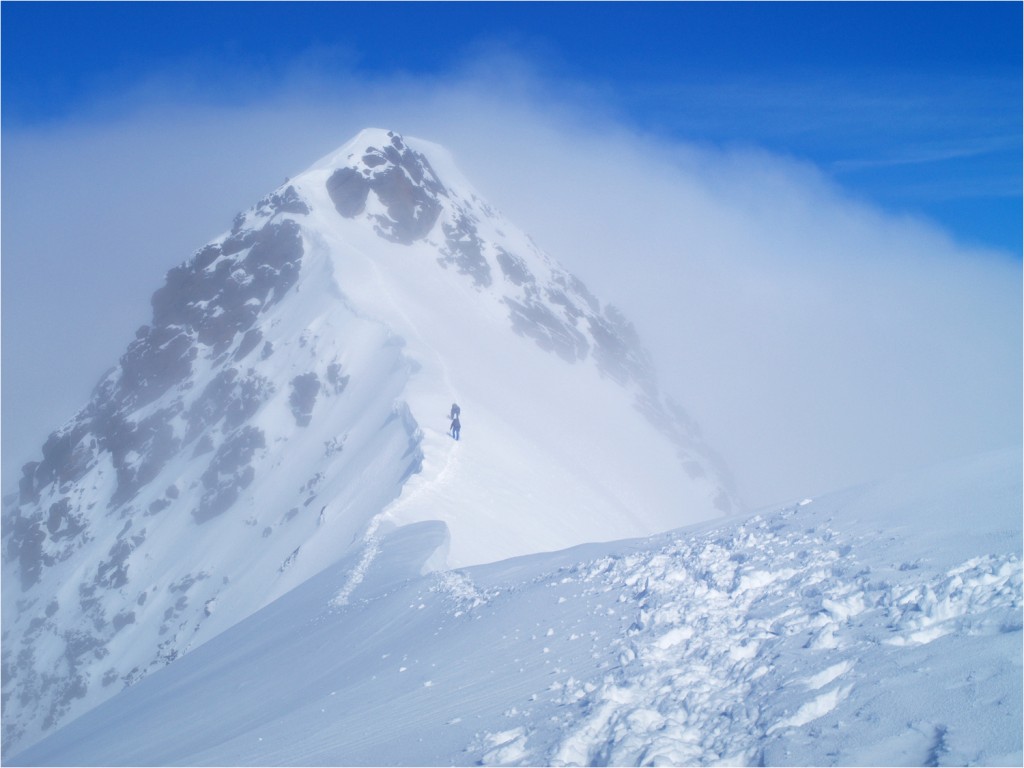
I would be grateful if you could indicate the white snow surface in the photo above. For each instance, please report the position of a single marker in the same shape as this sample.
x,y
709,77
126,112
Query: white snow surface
x,y
875,626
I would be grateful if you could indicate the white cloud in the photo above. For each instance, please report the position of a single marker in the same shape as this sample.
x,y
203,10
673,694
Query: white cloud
x,y
819,341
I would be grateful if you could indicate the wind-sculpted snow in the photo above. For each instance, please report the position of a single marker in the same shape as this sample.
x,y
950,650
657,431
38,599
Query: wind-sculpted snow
x,y
880,626
285,407
730,641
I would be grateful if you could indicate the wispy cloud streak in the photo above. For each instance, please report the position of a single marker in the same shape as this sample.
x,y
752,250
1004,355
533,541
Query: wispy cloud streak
x,y
819,340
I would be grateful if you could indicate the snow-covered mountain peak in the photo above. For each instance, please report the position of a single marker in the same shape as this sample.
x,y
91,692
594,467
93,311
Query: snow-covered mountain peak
x,y
373,148
287,406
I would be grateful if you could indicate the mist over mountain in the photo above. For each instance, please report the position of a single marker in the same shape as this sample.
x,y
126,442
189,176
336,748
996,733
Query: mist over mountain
x,y
286,409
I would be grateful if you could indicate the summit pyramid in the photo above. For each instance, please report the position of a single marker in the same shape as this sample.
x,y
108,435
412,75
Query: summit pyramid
x,y
287,406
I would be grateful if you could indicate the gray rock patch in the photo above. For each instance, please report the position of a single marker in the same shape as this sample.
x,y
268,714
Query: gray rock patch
x,y
305,389
348,190
230,472
514,268
463,249
536,321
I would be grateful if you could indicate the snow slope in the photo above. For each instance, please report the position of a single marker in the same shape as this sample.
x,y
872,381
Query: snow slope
x,y
875,626
286,408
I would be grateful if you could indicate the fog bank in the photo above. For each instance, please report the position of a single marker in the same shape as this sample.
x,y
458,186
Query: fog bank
x,y
818,340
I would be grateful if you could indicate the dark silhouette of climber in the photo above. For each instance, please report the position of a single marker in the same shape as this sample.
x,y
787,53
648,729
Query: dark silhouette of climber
x,y
455,411
456,426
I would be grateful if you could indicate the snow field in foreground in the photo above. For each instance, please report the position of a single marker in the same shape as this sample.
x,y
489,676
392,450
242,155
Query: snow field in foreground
x,y
876,626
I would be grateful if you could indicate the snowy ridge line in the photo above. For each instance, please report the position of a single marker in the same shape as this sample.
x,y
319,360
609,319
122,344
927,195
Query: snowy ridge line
x,y
371,539
714,618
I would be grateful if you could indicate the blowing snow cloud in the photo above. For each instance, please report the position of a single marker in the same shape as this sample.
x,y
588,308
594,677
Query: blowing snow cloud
x,y
818,340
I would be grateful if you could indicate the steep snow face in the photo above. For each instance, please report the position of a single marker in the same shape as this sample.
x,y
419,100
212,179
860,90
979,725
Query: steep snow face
x,y
876,626
287,407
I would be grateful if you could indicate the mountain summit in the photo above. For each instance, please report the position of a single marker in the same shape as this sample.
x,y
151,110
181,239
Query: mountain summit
x,y
287,407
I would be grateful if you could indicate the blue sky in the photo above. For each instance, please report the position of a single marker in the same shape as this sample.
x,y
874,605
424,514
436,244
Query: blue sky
x,y
812,212
916,106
